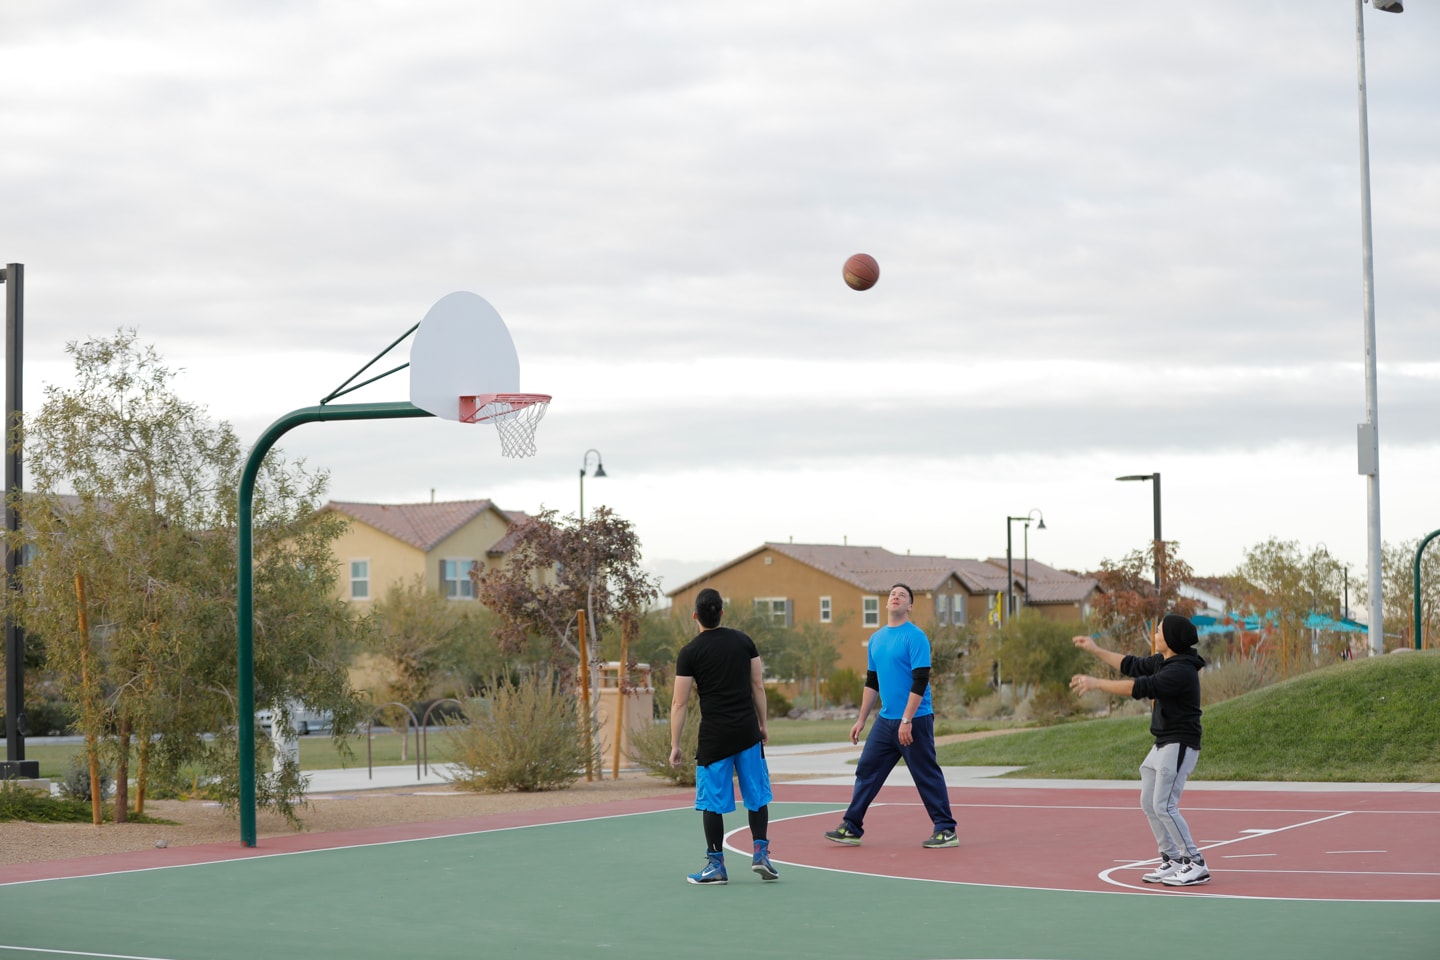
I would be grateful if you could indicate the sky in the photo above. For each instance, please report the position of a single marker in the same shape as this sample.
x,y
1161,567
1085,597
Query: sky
x,y
1113,238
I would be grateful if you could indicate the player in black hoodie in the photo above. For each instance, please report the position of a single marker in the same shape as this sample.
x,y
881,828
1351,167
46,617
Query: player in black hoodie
x,y
1171,678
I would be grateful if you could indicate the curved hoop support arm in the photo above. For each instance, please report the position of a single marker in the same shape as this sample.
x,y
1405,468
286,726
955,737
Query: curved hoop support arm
x,y
245,587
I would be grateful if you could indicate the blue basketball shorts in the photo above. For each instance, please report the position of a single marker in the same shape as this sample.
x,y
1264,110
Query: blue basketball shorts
x,y
715,788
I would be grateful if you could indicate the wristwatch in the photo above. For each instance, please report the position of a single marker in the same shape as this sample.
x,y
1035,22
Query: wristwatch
x,y
903,721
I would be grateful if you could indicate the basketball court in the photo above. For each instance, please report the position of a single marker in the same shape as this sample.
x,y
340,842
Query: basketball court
x,y
1046,872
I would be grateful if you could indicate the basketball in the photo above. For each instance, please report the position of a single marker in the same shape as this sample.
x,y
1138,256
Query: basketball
x,y
861,271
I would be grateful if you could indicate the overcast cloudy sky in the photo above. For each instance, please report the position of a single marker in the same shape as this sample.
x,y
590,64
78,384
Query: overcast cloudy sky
x,y
1114,239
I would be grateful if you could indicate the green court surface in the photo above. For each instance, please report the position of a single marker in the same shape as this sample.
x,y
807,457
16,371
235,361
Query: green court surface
x,y
615,887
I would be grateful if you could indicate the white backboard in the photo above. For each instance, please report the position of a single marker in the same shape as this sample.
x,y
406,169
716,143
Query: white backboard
x,y
462,348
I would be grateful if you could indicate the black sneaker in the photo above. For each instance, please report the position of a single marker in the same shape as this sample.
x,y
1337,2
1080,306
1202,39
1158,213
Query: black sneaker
x,y
843,834
941,838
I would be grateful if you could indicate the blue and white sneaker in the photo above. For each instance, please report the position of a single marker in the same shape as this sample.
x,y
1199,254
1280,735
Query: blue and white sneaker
x,y
761,864
712,872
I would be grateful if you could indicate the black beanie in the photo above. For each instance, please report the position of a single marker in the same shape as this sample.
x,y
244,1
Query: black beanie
x,y
1179,632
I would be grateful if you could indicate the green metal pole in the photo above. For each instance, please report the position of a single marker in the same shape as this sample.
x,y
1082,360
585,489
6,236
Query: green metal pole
x,y
1418,551
245,592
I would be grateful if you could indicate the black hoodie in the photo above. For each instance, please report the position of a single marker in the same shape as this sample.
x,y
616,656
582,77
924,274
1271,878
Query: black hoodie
x,y
1174,685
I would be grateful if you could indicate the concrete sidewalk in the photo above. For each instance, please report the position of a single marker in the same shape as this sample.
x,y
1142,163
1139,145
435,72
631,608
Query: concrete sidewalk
x,y
834,763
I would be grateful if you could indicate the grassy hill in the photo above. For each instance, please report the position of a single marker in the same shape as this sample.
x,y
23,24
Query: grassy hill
x,y
1373,720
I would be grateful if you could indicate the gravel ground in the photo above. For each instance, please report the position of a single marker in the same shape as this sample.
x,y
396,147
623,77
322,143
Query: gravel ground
x,y
203,822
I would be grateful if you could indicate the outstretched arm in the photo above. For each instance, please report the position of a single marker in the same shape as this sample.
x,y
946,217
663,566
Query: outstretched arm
x,y
1089,645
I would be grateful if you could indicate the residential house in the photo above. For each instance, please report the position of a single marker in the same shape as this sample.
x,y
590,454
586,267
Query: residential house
x,y
846,586
388,544
1052,593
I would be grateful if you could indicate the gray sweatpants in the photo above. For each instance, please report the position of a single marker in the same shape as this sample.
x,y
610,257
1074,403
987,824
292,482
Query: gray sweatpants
x,y
1162,781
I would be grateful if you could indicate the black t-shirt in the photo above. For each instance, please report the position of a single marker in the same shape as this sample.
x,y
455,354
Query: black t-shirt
x,y
718,660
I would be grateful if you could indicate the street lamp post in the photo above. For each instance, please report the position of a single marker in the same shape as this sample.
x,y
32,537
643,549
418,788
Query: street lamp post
x,y
1159,542
1009,609
1369,431
599,472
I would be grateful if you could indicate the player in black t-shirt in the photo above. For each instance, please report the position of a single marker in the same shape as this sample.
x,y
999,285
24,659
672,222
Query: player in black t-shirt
x,y
724,667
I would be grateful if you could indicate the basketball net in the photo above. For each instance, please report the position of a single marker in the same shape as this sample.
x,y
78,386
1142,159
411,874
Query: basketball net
x,y
515,417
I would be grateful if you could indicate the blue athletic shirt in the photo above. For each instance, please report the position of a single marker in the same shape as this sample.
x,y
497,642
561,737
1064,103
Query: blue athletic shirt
x,y
893,653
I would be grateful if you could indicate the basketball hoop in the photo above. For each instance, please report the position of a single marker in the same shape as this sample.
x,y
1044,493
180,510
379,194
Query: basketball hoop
x,y
514,415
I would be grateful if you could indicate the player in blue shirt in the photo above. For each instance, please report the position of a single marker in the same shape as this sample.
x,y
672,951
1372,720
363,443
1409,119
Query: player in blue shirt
x,y
898,674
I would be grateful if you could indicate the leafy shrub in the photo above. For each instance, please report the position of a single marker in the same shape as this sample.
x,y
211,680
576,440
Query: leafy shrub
x,y
845,687
650,748
777,704
531,736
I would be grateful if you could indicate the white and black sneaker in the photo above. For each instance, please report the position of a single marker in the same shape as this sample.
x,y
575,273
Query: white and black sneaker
x,y
1167,868
1191,873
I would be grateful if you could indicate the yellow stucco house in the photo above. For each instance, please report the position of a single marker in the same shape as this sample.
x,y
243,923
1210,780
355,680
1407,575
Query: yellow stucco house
x,y
392,543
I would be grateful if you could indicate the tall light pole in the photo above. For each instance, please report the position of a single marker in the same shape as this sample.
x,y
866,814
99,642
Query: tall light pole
x,y
15,765
1159,541
1369,431
599,472
1010,561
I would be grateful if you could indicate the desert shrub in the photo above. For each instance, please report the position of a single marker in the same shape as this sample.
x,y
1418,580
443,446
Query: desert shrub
x,y
76,782
650,749
777,704
1052,703
530,736
844,687
989,706
1225,679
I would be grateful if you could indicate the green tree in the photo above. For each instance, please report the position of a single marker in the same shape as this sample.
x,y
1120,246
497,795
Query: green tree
x,y
1287,586
1397,577
135,494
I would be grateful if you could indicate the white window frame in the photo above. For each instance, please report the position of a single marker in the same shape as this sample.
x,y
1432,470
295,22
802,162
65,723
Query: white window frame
x,y
870,611
957,610
779,609
464,588
365,592
942,609
826,609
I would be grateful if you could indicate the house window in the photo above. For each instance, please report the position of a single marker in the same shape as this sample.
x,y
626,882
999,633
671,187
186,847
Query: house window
x,y
359,579
824,609
872,611
957,609
942,608
455,579
778,609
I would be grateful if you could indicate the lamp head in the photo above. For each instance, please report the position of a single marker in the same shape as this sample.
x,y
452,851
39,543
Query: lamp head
x,y
599,470
1389,6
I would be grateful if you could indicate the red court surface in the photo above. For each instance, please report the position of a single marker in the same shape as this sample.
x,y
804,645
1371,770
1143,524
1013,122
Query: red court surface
x,y
1358,846
1301,846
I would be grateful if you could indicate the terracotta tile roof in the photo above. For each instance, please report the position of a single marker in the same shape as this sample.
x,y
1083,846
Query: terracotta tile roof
x,y
1047,584
518,519
870,568
422,525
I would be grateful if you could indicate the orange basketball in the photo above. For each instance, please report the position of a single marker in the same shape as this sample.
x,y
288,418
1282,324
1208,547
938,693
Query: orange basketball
x,y
861,271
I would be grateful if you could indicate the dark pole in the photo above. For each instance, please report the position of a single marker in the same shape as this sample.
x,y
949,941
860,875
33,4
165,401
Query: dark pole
x,y
1159,540
13,277
1009,575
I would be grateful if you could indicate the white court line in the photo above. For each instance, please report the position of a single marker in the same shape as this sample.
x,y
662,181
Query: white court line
x,y
1331,852
1105,875
80,953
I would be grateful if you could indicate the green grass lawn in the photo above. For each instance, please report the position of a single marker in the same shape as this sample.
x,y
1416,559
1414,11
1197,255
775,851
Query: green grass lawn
x,y
1374,720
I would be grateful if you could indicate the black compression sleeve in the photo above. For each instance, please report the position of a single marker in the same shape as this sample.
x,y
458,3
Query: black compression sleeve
x,y
920,678
872,680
